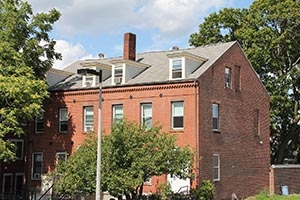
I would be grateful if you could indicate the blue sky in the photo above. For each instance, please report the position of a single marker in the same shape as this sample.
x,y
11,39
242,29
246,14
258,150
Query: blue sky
x,y
89,27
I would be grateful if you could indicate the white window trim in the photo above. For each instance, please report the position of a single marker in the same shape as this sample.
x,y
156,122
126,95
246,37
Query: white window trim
x,y
114,112
89,83
4,175
16,175
142,113
60,121
85,127
33,176
218,117
229,83
182,68
40,118
64,153
217,167
15,141
172,116
123,66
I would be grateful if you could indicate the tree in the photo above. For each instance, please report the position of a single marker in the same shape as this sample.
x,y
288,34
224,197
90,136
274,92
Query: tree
x,y
131,154
269,34
26,53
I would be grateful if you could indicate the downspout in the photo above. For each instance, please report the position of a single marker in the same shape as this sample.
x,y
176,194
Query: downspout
x,y
196,94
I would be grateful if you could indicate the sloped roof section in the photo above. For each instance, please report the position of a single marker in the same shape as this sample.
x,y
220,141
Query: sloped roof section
x,y
158,70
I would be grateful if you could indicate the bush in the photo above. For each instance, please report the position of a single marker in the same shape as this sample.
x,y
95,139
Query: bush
x,y
205,192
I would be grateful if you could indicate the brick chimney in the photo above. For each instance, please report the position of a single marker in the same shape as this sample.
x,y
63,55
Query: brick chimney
x,y
129,46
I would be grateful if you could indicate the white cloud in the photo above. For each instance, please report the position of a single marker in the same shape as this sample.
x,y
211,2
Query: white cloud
x,y
70,52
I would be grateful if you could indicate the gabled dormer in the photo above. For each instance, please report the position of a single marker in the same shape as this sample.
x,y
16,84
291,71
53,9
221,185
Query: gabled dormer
x,y
182,64
124,70
90,80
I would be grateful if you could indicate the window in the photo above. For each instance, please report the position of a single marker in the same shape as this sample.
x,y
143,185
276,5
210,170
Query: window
x,y
39,123
215,117
7,183
227,77
19,148
256,122
63,120
61,156
216,167
177,115
19,183
146,115
118,74
117,112
88,119
88,81
37,161
177,68
237,78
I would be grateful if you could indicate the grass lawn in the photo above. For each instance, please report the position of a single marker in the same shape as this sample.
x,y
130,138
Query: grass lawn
x,y
274,197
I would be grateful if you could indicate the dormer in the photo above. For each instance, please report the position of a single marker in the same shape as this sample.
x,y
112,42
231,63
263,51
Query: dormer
x,y
93,80
125,70
182,64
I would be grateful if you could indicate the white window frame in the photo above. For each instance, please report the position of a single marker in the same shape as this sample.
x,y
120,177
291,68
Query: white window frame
x,y
88,124
216,167
39,121
177,113
115,108
16,141
89,80
23,184
3,183
146,115
63,120
36,175
172,70
228,75
118,78
216,116
61,154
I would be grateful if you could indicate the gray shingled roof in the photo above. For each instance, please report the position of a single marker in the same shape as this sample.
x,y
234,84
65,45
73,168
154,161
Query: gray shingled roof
x,y
158,70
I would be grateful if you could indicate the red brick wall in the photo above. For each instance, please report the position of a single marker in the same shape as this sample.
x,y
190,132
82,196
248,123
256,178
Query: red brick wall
x,y
284,175
161,96
244,156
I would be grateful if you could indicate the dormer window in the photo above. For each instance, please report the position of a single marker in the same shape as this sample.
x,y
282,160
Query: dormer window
x,y
177,68
118,74
89,80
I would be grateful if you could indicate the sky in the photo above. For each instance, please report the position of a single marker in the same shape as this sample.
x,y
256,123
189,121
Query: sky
x,y
89,27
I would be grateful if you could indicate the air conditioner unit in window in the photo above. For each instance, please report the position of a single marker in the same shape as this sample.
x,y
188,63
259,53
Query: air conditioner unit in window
x,y
37,176
88,83
118,80
89,128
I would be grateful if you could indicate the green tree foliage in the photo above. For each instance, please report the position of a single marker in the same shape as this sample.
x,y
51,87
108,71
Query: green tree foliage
x,y
130,155
26,53
269,34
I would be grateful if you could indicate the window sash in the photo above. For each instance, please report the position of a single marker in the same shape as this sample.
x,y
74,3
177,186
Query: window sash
x,y
177,115
146,115
61,156
117,112
63,120
177,68
19,148
37,162
39,123
88,118
227,77
216,167
215,116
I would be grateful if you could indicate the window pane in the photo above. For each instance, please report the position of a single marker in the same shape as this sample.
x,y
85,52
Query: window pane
x,y
177,114
117,112
63,120
88,118
146,113
177,69
39,123
215,116
37,165
227,77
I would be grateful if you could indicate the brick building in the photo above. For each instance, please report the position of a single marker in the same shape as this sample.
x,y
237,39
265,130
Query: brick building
x,y
209,96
